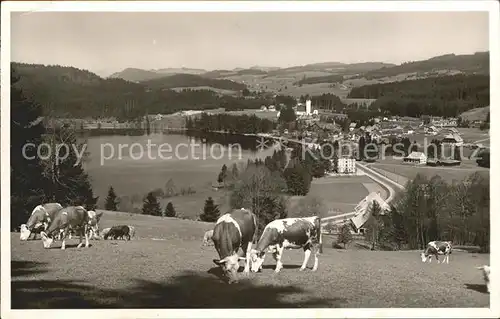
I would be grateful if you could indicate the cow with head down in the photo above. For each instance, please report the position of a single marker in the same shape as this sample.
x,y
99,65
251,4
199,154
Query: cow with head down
x,y
72,217
93,227
436,248
289,233
233,231
40,218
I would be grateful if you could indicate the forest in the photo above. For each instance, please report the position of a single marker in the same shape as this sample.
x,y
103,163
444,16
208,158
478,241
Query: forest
x,y
71,92
446,96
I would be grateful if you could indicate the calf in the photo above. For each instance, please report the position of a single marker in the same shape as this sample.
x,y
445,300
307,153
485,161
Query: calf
x,y
486,275
41,216
72,217
436,248
207,238
233,231
122,231
94,219
290,233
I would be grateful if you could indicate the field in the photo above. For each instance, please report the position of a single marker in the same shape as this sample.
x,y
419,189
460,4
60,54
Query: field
x,y
337,194
166,267
479,113
220,91
409,171
343,193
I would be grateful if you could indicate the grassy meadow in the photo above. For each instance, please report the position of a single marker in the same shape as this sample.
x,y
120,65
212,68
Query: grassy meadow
x,y
165,266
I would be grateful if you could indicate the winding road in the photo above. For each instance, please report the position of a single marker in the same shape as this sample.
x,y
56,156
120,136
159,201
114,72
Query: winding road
x,y
387,183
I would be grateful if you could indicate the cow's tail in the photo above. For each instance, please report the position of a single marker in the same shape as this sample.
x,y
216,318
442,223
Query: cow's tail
x,y
320,234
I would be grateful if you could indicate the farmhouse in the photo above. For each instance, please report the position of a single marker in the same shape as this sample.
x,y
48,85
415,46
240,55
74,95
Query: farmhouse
x,y
453,139
363,211
416,158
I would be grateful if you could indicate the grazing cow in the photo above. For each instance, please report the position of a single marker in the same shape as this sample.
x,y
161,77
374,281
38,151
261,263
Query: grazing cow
x,y
436,248
41,216
131,231
207,238
104,232
122,231
72,217
34,231
486,275
233,231
93,226
290,233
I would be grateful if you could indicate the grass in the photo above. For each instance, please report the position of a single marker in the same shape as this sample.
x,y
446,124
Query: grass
x,y
340,193
177,272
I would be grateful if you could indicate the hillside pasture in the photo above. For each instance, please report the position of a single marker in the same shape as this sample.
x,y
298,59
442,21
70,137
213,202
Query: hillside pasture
x,y
165,266
220,91
477,114
315,89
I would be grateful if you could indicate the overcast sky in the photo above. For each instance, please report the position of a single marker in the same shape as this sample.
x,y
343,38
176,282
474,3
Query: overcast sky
x,y
108,42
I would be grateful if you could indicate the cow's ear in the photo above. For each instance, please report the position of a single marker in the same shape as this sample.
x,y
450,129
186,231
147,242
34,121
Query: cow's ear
x,y
99,215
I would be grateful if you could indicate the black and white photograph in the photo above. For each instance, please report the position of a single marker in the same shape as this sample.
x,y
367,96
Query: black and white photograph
x,y
309,159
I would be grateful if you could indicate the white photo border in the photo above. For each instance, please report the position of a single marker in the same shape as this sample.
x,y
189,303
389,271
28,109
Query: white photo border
x,y
232,6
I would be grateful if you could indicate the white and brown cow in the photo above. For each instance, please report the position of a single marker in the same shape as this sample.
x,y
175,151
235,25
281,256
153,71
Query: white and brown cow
x,y
486,275
289,233
72,217
207,238
233,231
93,228
40,218
436,248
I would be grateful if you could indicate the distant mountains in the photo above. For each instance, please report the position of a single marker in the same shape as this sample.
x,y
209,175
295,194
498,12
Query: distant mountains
x,y
192,80
76,92
140,75
477,63
334,68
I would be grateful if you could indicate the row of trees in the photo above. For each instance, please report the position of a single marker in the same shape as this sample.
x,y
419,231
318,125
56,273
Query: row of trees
x,y
249,124
431,209
151,206
55,174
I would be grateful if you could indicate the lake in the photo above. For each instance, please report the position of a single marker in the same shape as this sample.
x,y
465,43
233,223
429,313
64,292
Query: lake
x,y
124,162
